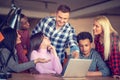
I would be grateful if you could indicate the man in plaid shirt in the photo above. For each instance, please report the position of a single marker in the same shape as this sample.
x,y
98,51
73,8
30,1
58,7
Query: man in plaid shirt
x,y
60,32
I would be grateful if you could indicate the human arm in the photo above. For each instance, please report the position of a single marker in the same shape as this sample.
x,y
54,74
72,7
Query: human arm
x,y
94,73
16,67
56,61
75,51
72,39
52,50
13,64
102,67
115,55
40,60
34,56
57,65
98,66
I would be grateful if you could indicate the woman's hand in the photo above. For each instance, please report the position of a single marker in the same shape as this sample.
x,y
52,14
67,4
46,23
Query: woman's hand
x,y
52,49
41,60
116,76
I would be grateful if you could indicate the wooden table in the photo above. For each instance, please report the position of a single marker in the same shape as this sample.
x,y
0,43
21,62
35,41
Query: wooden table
x,y
25,76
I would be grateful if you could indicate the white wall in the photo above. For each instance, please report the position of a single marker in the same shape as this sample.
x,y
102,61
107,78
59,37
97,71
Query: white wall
x,y
86,24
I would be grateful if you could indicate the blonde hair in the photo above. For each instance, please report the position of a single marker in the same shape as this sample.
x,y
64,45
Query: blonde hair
x,y
107,30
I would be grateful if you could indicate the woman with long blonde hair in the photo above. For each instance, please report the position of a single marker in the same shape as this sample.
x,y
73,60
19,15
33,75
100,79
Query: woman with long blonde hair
x,y
107,43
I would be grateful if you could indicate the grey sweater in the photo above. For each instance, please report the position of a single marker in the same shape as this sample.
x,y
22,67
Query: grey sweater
x,y
13,65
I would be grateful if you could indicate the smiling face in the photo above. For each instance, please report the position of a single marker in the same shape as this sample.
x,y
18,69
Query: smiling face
x,y
85,46
62,18
24,23
97,28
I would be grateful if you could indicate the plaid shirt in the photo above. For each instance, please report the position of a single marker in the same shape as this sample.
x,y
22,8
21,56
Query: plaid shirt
x,y
114,58
59,38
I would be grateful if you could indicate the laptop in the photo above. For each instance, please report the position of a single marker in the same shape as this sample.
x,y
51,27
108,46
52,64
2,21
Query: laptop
x,y
76,68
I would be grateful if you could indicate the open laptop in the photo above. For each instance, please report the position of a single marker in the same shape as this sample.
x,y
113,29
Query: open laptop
x,y
76,68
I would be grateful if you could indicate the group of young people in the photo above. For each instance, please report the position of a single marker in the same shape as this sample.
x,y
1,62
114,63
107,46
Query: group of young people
x,y
46,46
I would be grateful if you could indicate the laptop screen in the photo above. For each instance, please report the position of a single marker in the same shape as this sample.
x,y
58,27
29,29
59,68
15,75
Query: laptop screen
x,y
77,68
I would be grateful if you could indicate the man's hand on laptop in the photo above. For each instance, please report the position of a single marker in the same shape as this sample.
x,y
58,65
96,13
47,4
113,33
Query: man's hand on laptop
x,y
75,54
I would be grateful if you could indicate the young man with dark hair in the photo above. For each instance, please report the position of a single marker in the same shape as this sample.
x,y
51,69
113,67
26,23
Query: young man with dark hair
x,y
87,52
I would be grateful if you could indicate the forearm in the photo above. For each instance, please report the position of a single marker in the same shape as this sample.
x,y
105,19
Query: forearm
x,y
57,65
21,67
74,50
95,73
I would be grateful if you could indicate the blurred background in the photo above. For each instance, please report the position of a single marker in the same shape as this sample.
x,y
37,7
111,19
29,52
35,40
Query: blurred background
x,y
82,11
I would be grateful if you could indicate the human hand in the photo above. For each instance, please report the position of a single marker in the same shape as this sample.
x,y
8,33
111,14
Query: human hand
x,y
116,76
75,54
52,49
41,60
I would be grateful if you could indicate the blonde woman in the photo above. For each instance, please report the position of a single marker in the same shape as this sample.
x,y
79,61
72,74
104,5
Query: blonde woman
x,y
107,43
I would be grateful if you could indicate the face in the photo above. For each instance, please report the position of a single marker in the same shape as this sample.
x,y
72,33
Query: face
x,y
62,18
18,38
46,41
24,23
97,28
85,46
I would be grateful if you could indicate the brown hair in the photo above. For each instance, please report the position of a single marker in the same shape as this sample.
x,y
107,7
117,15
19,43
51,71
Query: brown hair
x,y
63,8
36,40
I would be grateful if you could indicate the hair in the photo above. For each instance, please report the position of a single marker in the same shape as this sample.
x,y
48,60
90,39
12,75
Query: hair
x,y
36,40
107,30
63,8
22,16
10,37
84,35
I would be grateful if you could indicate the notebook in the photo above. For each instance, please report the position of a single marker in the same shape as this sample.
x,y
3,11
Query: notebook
x,y
77,68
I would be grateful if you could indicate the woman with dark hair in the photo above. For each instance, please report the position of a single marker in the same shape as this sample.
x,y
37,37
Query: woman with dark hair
x,y
23,47
7,51
41,48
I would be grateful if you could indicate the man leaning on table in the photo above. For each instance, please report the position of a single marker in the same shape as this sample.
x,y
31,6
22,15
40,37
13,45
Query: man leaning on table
x,y
59,31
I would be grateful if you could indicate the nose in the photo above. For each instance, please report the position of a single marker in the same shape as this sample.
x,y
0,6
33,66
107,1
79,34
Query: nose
x,y
18,35
28,23
62,20
83,48
94,27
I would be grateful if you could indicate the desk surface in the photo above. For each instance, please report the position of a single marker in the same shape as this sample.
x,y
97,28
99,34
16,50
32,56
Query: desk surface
x,y
25,76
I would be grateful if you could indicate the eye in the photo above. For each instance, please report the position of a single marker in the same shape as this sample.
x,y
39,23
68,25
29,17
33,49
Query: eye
x,y
86,45
97,26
